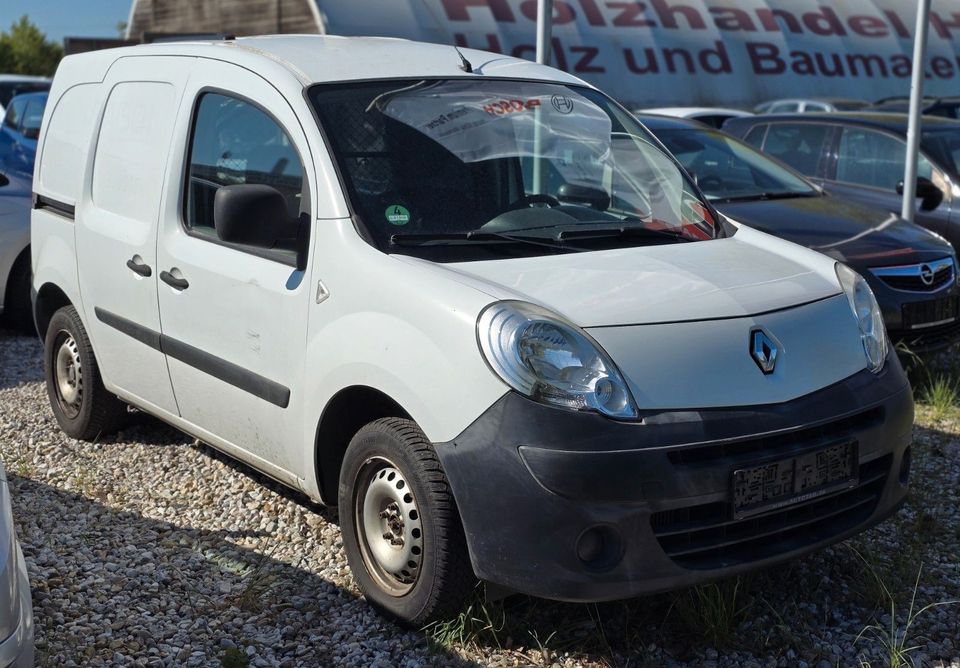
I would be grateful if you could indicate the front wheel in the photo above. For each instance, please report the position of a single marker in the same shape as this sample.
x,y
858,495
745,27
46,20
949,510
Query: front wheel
x,y
401,528
84,408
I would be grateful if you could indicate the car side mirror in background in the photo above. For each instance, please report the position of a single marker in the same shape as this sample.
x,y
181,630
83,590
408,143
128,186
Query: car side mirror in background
x,y
928,193
4,181
593,197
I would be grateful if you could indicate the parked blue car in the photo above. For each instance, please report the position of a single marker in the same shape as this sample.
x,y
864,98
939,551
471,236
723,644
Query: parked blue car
x,y
19,133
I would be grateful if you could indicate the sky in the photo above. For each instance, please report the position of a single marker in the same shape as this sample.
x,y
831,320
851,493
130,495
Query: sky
x,y
62,18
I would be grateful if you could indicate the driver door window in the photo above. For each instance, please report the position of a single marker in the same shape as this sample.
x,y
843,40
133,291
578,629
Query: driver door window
x,y
235,142
873,159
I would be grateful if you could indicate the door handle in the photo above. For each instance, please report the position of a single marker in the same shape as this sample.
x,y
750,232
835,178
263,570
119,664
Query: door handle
x,y
173,281
138,266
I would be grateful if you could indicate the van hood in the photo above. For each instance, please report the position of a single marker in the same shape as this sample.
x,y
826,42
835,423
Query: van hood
x,y
746,274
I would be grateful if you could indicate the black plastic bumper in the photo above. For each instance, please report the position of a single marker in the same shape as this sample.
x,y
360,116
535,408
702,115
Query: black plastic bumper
x,y
577,507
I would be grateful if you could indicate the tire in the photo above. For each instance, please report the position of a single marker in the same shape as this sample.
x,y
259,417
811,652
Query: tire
x,y
400,524
17,309
83,407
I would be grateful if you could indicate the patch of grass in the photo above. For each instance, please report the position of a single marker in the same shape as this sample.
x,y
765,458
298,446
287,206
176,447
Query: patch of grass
x,y
896,640
479,622
234,658
713,611
940,393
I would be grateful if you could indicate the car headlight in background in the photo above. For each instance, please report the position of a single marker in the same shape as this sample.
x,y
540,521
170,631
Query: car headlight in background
x,y
865,309
552,361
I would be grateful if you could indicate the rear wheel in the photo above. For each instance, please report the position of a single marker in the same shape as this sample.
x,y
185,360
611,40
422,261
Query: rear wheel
x,y
401,529
82,405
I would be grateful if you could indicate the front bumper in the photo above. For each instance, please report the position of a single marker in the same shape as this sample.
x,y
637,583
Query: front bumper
x,y
577,507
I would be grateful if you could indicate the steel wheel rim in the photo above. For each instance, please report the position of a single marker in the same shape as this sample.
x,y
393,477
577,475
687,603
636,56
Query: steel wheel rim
x,y
388,525
68,374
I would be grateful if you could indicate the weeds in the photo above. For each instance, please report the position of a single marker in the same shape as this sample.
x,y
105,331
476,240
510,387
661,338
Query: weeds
x,y
479,622
896,640
940,393
234,658
713,611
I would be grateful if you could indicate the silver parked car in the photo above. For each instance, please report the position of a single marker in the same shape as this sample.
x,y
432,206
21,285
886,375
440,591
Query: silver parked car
x,y
16,610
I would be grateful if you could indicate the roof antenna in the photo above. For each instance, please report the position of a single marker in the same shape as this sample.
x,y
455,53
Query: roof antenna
x,y
464,63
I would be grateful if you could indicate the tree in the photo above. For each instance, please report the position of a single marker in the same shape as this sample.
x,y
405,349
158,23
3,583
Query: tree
x,y
26,50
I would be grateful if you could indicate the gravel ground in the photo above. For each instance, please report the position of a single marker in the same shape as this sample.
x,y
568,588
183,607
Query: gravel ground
x,y
150,549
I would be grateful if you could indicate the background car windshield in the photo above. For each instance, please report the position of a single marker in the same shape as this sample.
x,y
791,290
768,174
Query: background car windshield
x,y
943,146
725,168
507,157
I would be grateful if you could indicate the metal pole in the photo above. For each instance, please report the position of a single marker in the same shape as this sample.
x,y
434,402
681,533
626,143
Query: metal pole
x,y
916,100
544,29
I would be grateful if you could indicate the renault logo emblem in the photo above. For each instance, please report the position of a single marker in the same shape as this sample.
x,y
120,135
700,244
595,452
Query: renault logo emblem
x,y
926,274
764,349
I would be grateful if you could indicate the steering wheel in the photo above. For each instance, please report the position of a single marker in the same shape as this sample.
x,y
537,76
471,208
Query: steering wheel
x,y
536,198
711,182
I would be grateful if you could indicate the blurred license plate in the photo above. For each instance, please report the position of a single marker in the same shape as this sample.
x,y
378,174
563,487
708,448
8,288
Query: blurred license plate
x,y
929,313
766,487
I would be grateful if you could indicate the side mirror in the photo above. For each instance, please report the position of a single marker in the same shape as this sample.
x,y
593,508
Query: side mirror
x,y
31,133
592,197
4,181
251,214
928,193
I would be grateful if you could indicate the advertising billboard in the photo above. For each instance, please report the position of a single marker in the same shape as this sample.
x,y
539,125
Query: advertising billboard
x,y
691,52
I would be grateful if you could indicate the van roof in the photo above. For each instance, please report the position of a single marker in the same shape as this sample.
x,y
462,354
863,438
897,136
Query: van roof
x,y
330,58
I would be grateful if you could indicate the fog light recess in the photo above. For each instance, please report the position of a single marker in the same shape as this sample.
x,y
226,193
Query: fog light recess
x,y
599,547
905,465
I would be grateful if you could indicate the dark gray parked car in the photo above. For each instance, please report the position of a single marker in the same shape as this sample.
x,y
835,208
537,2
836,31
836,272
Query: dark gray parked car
x,y
911,271
861,155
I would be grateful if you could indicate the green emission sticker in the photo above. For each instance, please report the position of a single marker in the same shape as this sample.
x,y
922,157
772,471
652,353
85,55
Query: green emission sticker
x,y
397,215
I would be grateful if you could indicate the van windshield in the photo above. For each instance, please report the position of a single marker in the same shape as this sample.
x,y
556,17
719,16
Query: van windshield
x,y
467,169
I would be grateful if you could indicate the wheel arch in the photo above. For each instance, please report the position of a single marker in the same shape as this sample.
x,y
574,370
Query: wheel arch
x,y
49,299
347,411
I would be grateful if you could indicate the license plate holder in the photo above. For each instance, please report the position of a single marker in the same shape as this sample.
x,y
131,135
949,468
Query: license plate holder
x,y
779,483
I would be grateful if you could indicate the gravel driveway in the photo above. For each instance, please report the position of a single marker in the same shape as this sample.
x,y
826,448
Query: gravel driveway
x,y
150,549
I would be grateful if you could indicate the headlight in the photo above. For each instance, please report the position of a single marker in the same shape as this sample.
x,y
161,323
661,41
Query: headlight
x,y
873,334
550,360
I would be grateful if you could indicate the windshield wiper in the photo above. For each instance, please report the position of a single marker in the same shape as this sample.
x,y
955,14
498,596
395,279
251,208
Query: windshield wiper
x,y
624,231
786,194
475,237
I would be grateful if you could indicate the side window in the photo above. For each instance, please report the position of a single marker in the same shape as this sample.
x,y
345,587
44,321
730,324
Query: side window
x,y
32,117
873,159
785,108
235,142
756,135
14,114
800,145
131,155
815,106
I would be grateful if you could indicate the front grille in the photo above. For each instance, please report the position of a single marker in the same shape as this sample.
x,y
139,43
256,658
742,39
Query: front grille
x,y
924,277
707,537
828,432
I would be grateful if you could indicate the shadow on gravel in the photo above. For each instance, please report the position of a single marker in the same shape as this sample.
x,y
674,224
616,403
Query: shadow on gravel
x,y
117,587
26,365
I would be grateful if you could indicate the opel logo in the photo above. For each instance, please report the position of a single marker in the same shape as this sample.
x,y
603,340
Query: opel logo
x,y
926,274
562,103
764,349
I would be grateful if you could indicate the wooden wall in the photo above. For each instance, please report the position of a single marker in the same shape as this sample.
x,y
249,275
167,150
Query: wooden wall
x,y
229,17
